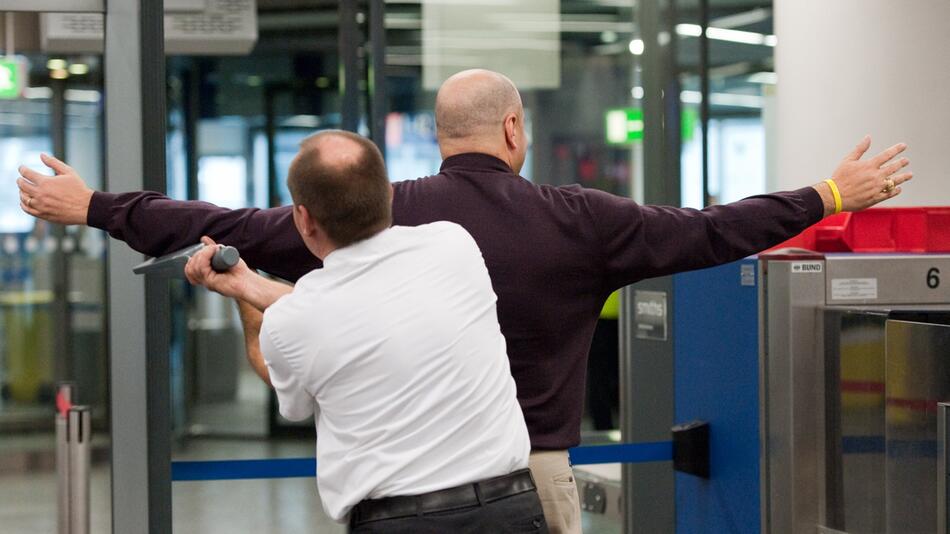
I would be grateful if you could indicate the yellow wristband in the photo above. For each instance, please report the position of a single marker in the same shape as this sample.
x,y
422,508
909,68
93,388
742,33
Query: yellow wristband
x,y
837,194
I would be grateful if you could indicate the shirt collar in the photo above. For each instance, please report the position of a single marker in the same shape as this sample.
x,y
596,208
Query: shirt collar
x,y
482,162
341,255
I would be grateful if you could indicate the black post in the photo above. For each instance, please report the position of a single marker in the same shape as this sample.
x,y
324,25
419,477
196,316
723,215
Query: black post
x,y
158,314
378,93
660,181
349,42
648,489
270,133
192,107
64,366
135,103
704,89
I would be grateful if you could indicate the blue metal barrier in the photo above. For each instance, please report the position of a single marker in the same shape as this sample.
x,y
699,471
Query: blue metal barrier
x,y
182,471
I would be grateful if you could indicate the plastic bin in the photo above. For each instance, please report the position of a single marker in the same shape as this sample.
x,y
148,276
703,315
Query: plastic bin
x,y
920,230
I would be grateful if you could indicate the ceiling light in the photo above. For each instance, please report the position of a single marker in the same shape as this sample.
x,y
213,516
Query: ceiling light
x,y
691,97
747,18
56,64
83,95
37,93
636,47
724,34
608,36
769,78
58,74
637,92
689,30
302,121
735,100
735,36
78,69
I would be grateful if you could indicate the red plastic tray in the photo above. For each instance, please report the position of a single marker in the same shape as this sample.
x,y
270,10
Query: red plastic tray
x,y
879,230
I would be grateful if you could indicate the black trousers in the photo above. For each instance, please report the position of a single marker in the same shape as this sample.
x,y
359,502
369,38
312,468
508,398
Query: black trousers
x,y
518,513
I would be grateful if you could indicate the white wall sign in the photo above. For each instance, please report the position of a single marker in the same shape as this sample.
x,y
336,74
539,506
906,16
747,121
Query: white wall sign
x,y
521,40
207,27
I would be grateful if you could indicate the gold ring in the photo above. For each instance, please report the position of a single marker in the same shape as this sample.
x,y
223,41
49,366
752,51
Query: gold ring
x,y
29,203
888,186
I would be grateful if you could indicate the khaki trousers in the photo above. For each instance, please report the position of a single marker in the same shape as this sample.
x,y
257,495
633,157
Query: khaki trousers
x,y
557,488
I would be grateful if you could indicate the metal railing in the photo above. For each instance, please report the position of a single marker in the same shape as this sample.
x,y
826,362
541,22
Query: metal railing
x,y
73,455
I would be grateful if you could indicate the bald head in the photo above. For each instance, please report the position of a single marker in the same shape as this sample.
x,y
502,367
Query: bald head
x,y
473,104
340,178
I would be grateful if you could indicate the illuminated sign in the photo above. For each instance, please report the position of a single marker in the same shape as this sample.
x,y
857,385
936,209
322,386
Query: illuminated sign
x,y
623,125
10,79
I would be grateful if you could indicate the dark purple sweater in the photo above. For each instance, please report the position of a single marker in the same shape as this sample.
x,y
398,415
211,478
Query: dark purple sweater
x,y
554,254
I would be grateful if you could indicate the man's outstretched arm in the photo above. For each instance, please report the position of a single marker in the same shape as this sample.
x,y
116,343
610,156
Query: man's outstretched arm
x,y
154,224
639,242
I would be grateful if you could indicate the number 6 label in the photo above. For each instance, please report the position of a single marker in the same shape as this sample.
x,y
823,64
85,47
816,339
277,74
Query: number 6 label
x,y
933,278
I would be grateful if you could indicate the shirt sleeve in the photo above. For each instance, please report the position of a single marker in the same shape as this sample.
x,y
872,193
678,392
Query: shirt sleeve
x,y
639,242
154,224
294,402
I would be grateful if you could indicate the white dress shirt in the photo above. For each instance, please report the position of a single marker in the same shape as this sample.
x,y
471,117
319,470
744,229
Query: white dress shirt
x,y
395,347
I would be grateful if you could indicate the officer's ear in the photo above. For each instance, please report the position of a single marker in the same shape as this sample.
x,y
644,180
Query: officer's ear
x,y
304,222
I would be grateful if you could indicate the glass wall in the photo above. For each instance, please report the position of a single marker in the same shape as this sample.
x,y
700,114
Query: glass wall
x,y
52,278
571,60
725,55
32,249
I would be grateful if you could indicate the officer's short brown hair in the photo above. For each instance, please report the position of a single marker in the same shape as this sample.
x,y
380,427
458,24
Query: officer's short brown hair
x,y
340,177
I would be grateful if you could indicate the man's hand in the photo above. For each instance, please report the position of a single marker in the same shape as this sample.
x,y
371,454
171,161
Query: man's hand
x,y
63,198
238,282
864,183
235,282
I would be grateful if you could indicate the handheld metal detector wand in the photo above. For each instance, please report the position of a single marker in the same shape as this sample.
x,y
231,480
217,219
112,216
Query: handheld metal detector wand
x,y
173,264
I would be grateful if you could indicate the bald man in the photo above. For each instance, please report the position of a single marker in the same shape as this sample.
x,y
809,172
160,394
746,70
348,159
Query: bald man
x,y
554,254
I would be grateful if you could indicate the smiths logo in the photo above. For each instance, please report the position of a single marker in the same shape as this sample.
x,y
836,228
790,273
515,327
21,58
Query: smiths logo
x,y
652,308
650,314
807,267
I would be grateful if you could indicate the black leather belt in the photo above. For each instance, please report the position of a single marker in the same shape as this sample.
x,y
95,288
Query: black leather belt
x,y
457,498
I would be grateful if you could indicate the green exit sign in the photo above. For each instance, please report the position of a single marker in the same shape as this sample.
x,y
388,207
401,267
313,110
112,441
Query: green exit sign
x,y
623,125
10,79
